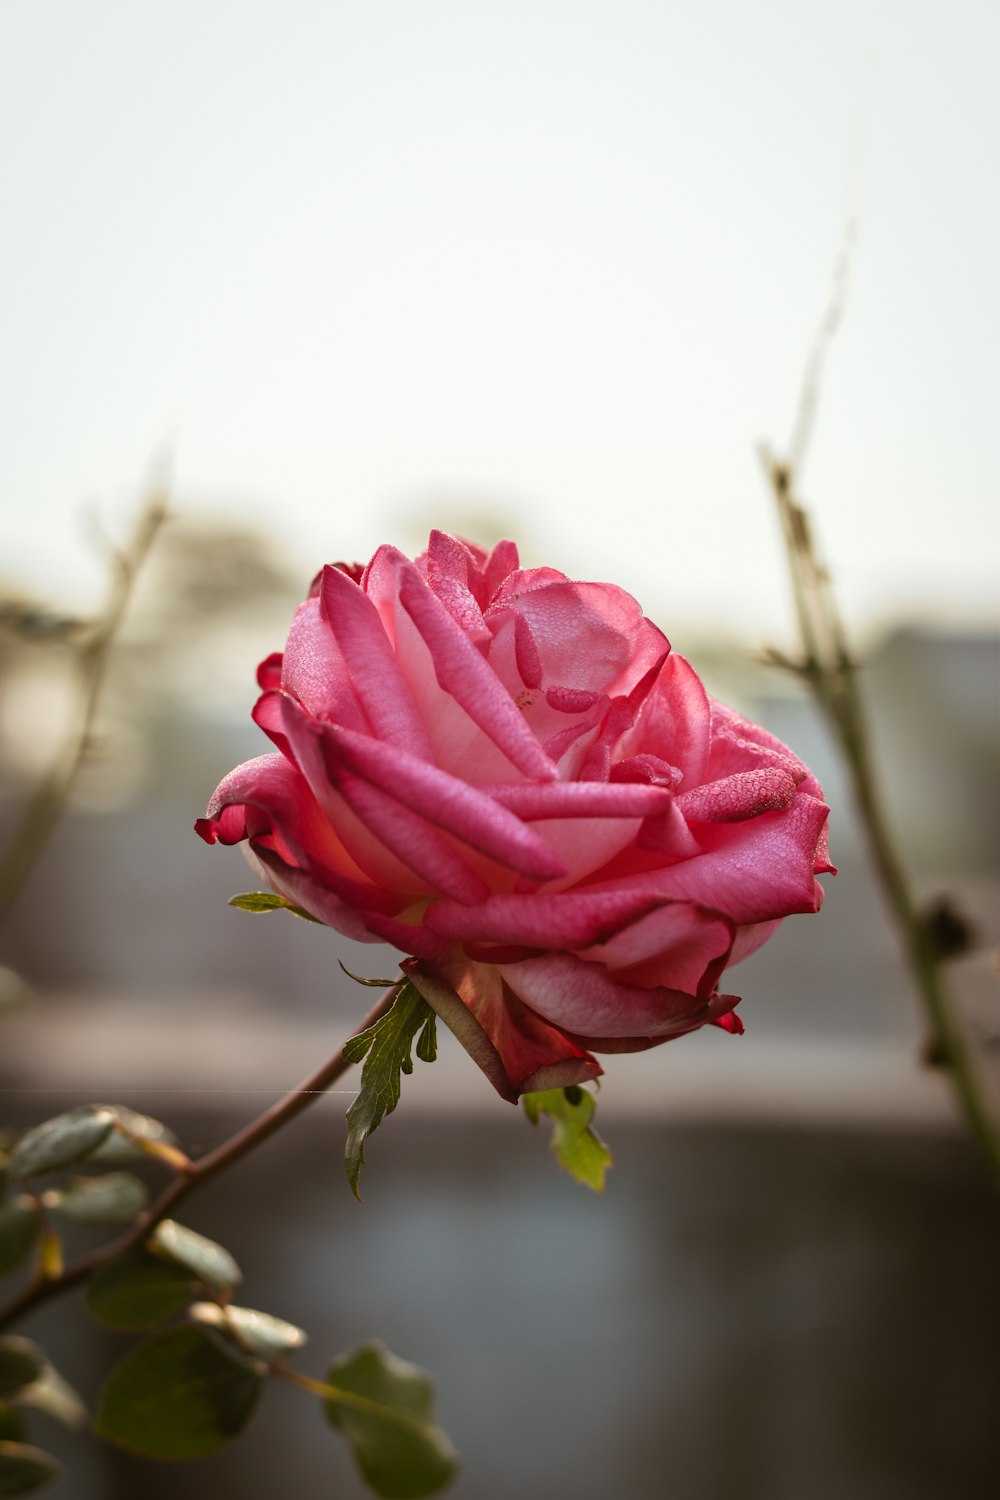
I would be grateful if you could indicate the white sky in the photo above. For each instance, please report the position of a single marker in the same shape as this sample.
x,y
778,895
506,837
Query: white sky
x,y
560,260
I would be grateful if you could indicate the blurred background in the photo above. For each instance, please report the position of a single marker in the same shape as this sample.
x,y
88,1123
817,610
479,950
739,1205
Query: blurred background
x,y
549,271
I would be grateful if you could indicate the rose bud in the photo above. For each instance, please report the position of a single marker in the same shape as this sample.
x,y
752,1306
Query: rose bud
x,y
511,778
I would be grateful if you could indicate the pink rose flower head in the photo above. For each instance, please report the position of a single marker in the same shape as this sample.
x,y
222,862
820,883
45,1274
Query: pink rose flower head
x,y
511,778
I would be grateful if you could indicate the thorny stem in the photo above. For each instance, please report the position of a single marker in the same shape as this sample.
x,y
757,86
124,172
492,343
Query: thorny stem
x,y
832,676
46,805
200,1171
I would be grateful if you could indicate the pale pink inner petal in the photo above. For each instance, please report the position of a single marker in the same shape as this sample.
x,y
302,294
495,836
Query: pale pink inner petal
x,y
590,636
674,723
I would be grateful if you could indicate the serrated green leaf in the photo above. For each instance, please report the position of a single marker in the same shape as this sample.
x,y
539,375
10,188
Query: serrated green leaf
x,y
116,1198
137,1291
577,1147
262,901
11,1424
20,1226
386,1049
24,1468
61,1141
211,1263
21,1363
181,1394
259,1333
385,1407
427,1042
119,1148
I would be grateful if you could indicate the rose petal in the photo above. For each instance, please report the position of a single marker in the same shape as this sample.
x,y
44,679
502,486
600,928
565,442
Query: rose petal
x,y
572,919
745,794
463,811
463,673
676,946
584,998
375,673
753,871
516,1050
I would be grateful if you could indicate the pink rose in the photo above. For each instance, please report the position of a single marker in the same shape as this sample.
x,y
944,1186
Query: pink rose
x,y
511,778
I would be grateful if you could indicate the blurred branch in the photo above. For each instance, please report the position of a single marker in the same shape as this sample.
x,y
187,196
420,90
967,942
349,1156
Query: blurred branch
x,y
195,1174
47,803
831,674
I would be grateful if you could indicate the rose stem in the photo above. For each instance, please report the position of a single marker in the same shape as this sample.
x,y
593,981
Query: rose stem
x,y
200,1171
48,801
832,676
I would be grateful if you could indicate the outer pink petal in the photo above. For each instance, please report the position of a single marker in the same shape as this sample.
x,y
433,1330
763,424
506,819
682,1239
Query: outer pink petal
x,y
739,745
466,812
744,794
572,919
269,802
583,998
369,656
752,872
368,852
749,939
314,670
677,946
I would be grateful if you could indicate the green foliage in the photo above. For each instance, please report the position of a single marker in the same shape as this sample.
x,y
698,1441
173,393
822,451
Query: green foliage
x,y
213,1265
181,1394
386,1409
54,1396
386,1050
21,1363
259,1333
374,984
62,1141
23,1468
576,1145
263,901
116,1198
20,1226
11,1424
123,1146
138,1291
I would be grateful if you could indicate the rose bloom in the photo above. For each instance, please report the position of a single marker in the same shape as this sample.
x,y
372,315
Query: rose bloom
x,y
512,778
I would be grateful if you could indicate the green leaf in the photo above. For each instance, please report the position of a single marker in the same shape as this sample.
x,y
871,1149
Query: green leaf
x,y
137,1291
203,1257
386,1048
62,1141
261,901
20,1225
116,1198
23,1468
375,984
258,1333
119,1148
386,1409
21,1363
181,1394
55,1396
576,1145
427,1041
11,1424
